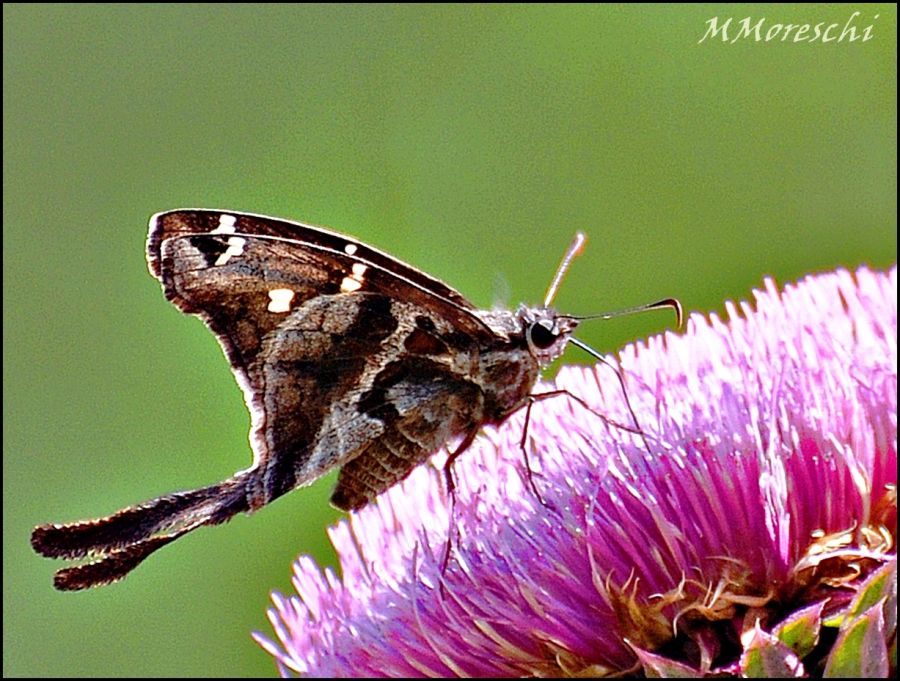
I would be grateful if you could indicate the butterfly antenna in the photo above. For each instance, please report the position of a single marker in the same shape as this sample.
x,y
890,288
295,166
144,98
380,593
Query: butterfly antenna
x,y
573,251
670,303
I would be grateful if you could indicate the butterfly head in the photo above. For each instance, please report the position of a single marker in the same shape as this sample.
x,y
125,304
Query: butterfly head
x,y
546,332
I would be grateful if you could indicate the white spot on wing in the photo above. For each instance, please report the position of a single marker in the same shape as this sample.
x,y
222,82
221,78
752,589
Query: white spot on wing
x,y
235,243
235,247
350,249
354,281
349,284
226,225
280,300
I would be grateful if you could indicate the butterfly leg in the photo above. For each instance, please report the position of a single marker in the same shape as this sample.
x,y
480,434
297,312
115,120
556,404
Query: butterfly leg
x,y
608,421
529,473
451,491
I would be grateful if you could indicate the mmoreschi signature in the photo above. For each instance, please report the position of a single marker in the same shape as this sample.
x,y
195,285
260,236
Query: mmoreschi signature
x,y
729,30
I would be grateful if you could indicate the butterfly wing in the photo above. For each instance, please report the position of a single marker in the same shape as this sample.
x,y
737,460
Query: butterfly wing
x,y
341,351
308,318
224,267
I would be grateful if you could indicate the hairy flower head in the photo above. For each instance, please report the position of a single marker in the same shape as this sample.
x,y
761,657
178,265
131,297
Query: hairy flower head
x,y
758,507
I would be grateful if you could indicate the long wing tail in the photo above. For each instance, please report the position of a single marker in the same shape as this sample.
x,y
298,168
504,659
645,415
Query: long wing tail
x,y
120,542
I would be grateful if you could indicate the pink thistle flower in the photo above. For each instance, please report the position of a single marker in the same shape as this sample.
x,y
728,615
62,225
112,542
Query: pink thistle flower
x,y
760,512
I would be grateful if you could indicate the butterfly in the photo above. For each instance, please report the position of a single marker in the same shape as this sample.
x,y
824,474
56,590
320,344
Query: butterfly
x,y
347,357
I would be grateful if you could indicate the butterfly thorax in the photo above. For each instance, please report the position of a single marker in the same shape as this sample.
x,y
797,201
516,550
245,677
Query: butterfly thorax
x,y
526,341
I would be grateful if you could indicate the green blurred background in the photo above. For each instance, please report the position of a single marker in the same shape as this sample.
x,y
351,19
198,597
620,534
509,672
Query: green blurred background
x,y
471,141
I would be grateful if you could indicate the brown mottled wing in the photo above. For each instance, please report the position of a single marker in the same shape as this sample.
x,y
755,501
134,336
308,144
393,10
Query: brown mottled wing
x,y
342,352
299,362
185,247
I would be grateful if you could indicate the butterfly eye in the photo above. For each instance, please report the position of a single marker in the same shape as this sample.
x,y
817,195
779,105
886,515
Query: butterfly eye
x,y
542,336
